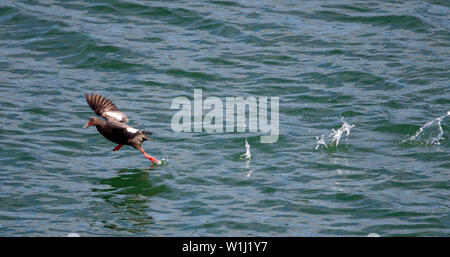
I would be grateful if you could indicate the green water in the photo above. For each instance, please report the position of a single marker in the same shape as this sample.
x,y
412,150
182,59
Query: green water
x,y
381,65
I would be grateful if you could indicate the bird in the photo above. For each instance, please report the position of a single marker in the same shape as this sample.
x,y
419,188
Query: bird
x,y
114,127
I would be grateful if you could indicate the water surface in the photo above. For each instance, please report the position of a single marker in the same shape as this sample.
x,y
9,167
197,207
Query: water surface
x,y
382,66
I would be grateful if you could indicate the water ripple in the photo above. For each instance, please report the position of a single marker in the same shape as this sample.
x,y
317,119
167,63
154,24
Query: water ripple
x,y
381,65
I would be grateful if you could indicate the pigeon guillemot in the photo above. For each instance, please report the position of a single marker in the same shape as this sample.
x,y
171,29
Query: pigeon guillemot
x,y
114,128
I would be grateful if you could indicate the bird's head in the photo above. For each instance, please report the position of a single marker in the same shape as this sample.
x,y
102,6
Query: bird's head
x,y
93,121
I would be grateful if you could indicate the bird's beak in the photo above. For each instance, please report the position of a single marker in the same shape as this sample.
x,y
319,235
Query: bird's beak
x,y
88,125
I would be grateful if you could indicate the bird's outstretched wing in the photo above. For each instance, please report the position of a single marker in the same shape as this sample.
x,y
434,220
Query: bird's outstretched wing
x,y
105,108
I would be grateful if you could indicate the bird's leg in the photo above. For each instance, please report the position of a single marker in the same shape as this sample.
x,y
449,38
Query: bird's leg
x,y
149,157
117,148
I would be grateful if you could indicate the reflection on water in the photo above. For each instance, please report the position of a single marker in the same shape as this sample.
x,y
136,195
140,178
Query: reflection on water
x,y
129,194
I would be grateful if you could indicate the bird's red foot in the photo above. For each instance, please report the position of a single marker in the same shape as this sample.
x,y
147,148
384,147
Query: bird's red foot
x,y
117,148
149,157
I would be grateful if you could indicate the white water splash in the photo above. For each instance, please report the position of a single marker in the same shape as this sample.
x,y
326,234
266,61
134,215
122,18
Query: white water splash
x,y
335,135
425,134
164,160
320,142
247,155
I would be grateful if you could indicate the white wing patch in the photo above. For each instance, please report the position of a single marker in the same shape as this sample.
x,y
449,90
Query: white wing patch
x,y
132,130
115,115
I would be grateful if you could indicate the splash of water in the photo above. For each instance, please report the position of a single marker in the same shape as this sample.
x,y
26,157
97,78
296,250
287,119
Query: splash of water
x,y
335,135
320,142
247,155
163,161
425,133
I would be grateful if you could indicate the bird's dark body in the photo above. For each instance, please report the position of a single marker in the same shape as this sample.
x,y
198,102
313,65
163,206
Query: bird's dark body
x,y
117,132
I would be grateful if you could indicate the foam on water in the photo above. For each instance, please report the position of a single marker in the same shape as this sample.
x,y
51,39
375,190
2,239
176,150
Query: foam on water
x,y
335,136
427,133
